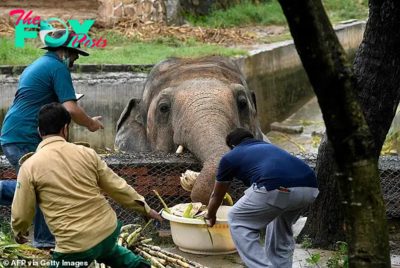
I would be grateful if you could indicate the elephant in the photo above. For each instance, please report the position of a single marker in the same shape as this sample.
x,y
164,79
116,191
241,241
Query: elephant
x,y
193,103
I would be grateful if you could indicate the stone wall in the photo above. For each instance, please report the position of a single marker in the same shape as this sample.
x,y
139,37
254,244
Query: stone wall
x,y
145,10
46,9
100,10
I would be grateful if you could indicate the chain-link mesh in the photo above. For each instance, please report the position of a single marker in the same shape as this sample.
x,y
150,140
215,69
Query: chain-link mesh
x,y
149,171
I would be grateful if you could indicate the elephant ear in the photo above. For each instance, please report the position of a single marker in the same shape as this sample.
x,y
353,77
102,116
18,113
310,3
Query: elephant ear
x,y
259,134
131,133
253,98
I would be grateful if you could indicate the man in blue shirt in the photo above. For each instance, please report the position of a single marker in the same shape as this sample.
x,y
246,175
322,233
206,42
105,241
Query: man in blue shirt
x,y
281,186
46,80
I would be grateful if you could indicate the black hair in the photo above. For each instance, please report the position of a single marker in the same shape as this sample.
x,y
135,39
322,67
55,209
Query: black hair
x,y
52,118
237,136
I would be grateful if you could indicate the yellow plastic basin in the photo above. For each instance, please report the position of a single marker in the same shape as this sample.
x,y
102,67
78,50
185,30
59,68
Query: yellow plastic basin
x,y
191,235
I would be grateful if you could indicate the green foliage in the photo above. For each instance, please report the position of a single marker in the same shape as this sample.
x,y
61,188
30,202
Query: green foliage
x,y
316,141
314,258
139,69
339,258
5,230
339,10
392,141
174,42
270,13
307,242
242,14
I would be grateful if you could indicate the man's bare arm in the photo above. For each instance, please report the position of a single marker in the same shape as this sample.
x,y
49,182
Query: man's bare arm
x,y
80,117
216,198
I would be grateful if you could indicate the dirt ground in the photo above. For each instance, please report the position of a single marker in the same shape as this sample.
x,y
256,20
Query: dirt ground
x,y
394,235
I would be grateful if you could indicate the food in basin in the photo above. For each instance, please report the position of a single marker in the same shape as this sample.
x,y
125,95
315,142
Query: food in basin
x,y
192,235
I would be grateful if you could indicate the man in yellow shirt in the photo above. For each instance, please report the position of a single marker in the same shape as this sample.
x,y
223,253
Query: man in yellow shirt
x,y
66,180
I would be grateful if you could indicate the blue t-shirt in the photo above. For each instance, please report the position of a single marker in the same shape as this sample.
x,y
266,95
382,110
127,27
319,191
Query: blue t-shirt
x,y
45,81
255,161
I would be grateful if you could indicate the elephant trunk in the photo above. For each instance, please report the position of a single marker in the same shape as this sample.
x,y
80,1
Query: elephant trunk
x,y
212,149
203,132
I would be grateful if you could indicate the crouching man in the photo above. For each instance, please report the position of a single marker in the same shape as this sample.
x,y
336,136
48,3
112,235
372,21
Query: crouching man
x,y
281,186
66,181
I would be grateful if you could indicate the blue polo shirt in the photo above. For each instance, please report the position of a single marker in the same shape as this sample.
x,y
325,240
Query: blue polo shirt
x,y
255,161
45,81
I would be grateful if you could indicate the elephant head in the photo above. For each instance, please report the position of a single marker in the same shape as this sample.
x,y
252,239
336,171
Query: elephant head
x,y
194,103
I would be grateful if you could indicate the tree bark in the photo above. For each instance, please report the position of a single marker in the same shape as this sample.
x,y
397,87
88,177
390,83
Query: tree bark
x,y
353,145
377,66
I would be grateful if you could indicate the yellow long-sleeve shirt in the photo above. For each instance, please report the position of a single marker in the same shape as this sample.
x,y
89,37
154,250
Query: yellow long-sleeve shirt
x,y
66,180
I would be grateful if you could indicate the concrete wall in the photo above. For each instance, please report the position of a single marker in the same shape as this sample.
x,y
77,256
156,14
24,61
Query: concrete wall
x,y
106,94
273,71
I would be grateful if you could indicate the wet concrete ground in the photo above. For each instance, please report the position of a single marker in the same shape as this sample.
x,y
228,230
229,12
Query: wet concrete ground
x,y
309,119
234,261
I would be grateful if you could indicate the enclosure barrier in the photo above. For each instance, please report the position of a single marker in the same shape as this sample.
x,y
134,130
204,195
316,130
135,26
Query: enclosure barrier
x,y
159,171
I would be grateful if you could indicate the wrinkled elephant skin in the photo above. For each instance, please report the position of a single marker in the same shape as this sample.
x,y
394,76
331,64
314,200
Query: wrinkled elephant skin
x,y
194,103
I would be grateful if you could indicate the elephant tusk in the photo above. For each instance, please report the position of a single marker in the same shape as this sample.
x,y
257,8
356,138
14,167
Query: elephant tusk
x,y
180,149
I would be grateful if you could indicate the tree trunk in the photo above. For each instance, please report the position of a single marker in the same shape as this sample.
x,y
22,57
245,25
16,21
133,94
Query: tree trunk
x,y
377,65
353,145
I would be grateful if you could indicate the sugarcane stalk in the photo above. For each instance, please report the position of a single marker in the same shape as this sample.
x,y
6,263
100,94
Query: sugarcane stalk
x,y
188,210
147,224
121,238
132,235
173,255
133,241
165,257
144,241
162,201
162,261
127,227
208,231
151,259
228,199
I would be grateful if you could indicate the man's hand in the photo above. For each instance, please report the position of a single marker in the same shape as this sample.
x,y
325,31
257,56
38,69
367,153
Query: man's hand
x,y
22,239
96,124
154,215
210,219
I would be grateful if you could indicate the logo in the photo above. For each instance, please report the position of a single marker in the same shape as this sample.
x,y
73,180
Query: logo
x,y
80,36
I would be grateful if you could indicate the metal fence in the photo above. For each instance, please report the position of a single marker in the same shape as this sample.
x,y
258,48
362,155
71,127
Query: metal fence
x,y
149,171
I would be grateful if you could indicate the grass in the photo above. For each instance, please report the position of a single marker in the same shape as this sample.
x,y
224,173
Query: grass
x,y
119,50
270,13
242,14
5,228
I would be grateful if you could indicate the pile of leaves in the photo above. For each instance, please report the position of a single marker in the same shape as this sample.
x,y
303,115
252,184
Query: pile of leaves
x,y
10,250
133,238
150,30
7,28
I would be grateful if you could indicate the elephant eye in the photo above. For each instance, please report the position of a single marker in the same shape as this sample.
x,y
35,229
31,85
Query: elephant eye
x,y
242,103
164,108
